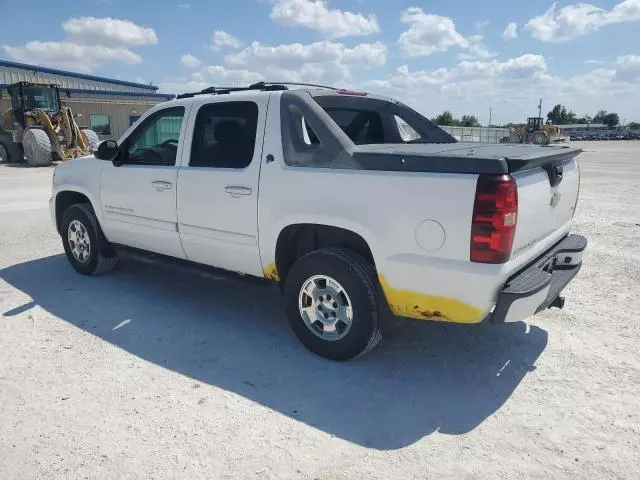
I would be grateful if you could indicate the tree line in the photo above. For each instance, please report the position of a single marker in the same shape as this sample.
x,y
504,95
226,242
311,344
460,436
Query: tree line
x,y
446,119
559,115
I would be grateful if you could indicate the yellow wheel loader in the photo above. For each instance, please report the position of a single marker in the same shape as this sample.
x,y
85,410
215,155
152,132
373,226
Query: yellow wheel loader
x,y
38,129
535,131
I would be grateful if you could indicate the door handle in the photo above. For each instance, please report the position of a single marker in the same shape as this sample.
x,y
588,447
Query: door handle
x,y
161,185
237,190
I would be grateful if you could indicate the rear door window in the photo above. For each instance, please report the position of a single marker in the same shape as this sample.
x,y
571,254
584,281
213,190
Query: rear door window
x,y
224,135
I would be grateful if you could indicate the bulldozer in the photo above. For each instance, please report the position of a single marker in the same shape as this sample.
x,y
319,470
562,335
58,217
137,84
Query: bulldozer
x,y
38,129
536,132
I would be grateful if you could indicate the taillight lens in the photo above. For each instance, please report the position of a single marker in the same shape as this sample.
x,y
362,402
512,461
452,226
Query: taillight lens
x,y
495,214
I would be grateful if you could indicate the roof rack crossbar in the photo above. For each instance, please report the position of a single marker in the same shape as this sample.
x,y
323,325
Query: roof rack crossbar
x,y
263,86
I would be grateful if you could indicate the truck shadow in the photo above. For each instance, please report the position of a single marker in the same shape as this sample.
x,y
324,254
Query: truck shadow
x,y
431,377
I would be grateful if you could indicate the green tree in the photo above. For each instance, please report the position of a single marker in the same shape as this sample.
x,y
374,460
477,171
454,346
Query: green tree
x,y
634,126
599,117
444,119
560,116
469,121
611,120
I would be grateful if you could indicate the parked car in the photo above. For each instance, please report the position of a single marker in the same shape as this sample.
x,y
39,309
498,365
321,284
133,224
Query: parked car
x,y
356,205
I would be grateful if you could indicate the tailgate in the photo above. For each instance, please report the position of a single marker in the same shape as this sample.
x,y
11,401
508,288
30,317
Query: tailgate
x,y
547,196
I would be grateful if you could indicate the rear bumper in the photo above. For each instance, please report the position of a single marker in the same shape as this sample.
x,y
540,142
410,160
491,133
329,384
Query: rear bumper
x,y
538,286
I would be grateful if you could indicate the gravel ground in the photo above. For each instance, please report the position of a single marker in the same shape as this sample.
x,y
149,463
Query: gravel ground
x,y
151,373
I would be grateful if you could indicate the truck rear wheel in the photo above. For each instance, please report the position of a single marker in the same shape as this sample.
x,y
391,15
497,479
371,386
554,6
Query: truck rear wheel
x,y
37,147
332,303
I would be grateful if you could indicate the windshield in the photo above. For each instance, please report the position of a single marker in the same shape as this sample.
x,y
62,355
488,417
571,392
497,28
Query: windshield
x,y
40,97
368,120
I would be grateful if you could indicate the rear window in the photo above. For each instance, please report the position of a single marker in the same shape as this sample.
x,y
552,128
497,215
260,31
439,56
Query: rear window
x,y
361,126
368,120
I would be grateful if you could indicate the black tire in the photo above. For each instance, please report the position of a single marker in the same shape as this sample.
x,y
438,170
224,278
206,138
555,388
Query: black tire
x,y
101,258
5,156
37,147
92,139
540,138
359,280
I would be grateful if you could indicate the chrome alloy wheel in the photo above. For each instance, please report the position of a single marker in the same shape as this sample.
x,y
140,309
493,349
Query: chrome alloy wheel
x,y
79,241
325,307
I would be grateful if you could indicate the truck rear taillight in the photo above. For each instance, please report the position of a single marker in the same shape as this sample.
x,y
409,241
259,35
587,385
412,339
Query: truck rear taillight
x,y
495,213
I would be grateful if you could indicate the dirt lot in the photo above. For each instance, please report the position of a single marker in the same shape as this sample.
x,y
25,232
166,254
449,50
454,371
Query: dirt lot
x,y
150,373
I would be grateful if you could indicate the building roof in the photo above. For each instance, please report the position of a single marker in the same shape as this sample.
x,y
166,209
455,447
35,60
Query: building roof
x,y
115,93
583,125
82,76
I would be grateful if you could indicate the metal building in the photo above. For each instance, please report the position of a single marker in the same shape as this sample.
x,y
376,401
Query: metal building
x,y
106,105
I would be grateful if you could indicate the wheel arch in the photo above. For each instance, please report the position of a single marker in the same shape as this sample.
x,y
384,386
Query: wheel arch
x,y
66,198
296,240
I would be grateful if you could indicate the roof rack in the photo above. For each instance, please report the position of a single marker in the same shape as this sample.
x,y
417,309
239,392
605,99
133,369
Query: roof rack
x,y
261,86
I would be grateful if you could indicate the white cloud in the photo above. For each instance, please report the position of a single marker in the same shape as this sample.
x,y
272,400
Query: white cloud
x,y
296,54
224,76
580,19
479,25
91,43
315,14
628,68
513,88
190,61
521,67
108,31
215,75
594,62
221,39
524,66
320,62
71,56
428,33
181,85
511,32
184,5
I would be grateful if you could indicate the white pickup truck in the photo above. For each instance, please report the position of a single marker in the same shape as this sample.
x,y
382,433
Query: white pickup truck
x,y
356,204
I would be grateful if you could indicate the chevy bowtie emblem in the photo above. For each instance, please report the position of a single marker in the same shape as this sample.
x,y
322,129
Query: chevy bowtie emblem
x,y
555,198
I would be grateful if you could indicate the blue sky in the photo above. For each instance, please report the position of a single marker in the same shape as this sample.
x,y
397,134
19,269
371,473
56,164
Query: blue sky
x,y
435,55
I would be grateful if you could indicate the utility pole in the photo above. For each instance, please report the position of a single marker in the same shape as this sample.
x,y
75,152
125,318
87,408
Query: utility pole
x,y
489,117
540,109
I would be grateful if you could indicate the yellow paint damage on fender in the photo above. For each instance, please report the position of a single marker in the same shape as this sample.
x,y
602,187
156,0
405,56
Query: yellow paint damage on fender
x,y
407,303
271,272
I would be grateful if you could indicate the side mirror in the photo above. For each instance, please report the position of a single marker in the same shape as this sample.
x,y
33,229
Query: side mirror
x,y
107,150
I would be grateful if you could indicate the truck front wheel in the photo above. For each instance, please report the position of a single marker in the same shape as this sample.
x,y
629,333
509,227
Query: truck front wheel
x,y
332,303
84,244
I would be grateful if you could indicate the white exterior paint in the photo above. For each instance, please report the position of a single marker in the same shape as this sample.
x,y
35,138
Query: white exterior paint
x,y
240,232
218,207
